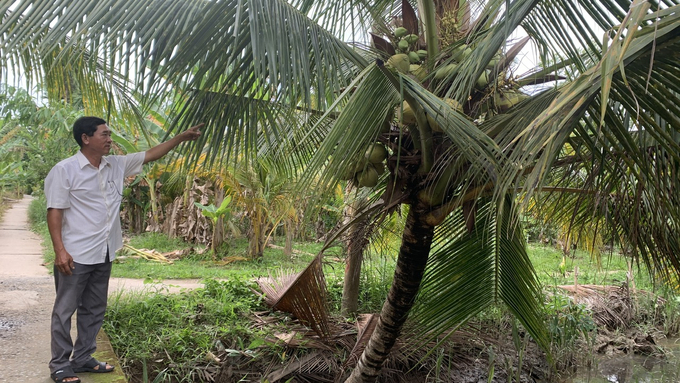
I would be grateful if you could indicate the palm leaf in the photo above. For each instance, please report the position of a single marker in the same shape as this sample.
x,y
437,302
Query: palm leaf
x,y
471,270
302,294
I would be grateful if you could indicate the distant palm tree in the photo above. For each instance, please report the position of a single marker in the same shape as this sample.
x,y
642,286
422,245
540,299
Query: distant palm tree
x,y
267,74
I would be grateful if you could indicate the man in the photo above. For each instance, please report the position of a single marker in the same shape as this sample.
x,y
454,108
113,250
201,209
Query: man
x,y
83,195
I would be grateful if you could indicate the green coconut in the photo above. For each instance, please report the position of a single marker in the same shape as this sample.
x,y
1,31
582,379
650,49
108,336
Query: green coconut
x,y
349,172
421,53
444,72
403,44
376,153
400,62
411,38
360,164
466,52
418,71
386,126
400,32
379,168
483,80
459,51
407,116
368,177
413,57
507,99
492,64
453,104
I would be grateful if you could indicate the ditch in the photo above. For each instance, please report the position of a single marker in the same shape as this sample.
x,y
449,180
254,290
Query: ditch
x,y
636,368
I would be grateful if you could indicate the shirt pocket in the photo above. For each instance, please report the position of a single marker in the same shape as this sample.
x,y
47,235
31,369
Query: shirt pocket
x,y
114,191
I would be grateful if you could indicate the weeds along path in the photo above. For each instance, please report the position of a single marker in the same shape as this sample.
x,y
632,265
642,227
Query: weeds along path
x,y
26,298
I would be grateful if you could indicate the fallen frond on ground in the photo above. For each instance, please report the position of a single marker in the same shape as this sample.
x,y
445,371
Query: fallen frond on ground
x,y
153,255
301,294
611,306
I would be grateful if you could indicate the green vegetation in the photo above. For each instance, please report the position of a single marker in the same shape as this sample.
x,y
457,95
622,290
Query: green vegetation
x,y
193,330
610,269
155,330
202,265
33,138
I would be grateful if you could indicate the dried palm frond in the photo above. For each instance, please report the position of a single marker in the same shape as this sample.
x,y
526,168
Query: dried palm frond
x,y
315,361
365,325
151,255
303,295
227,260
611,306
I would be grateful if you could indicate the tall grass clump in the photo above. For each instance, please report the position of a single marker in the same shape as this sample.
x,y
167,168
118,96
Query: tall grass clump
x,y
670,312
572,332
375,281
37,212
181,335
37,219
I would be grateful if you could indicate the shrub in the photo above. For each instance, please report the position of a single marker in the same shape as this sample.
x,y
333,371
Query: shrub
x,y
176,333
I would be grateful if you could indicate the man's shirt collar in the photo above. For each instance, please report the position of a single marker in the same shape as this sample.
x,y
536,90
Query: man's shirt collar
x,y
83,161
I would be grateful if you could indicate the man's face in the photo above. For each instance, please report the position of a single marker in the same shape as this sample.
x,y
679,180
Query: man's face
x,y
100,141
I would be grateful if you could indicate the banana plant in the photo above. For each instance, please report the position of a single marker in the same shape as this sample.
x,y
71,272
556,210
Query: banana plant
x,y
215,214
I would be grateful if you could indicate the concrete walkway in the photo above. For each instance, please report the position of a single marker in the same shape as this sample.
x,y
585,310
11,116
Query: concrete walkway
x,y
26,298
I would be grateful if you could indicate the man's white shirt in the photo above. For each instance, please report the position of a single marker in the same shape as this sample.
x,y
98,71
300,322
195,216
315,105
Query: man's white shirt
x,y
90,199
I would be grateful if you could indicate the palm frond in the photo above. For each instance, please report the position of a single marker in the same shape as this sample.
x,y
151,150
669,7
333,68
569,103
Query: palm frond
x,y
365,106
471,270
247,55
345,18
539,140
487,43
302,294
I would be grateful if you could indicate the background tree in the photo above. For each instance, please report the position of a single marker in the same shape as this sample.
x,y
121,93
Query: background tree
x,y
33,138
265,196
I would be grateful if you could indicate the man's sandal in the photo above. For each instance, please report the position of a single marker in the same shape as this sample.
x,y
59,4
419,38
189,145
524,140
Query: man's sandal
x,y
93,365
64,373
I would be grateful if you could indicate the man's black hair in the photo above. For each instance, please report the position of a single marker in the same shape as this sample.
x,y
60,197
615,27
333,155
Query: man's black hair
x,y
86,125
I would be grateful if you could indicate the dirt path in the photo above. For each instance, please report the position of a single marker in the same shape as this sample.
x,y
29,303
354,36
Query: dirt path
x,y
26,298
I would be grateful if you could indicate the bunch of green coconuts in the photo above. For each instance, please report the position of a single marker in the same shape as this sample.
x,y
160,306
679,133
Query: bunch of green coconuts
x,y
366,170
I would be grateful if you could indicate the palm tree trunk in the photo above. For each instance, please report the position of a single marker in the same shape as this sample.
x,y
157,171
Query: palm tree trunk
x,y
355,240
356,243
153,201
413,254
289,228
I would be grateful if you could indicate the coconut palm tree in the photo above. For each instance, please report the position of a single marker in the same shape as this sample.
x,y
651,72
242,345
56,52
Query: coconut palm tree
x,y
467,133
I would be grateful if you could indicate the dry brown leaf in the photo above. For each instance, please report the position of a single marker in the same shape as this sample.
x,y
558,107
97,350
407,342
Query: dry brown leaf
x,y
303,295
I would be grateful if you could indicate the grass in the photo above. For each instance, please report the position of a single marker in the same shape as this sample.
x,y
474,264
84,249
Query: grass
x,y
154,330
610,269
188,342
203,266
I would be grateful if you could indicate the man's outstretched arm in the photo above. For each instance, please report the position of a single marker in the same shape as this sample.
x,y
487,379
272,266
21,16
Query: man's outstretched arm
x,y
162,149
